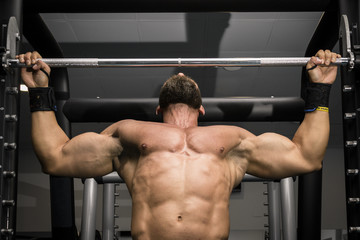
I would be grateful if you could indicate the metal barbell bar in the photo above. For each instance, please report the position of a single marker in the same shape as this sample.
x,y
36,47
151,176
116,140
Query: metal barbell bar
x,y
173,62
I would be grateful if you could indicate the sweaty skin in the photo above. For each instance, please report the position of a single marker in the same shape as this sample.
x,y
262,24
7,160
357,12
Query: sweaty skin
x,y
179,175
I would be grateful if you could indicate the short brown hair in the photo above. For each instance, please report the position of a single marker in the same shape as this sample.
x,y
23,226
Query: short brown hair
x,y
180,89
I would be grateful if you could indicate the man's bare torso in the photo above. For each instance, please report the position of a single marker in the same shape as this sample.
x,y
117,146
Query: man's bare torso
x,y
180,180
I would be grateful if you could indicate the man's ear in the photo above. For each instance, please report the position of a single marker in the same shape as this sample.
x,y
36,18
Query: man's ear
x,y
202,110
158,110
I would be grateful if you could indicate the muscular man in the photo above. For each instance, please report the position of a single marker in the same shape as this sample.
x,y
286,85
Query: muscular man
x,y
180,176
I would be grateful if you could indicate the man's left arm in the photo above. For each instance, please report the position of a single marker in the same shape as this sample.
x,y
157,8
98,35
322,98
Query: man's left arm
x,y
274,156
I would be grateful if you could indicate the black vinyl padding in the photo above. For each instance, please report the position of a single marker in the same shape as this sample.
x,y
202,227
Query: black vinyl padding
x,y
217,109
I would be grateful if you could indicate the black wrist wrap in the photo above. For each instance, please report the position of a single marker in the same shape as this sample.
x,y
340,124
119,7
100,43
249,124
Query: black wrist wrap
x,y
317,95
42,99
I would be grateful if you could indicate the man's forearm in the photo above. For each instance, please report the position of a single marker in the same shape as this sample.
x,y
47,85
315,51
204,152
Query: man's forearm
x,y
48,138
313,134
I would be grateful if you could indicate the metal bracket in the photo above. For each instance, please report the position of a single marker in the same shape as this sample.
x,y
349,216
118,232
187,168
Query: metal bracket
x,y
353,200
348,116
344,34
354,229
352,172
350,144
7,232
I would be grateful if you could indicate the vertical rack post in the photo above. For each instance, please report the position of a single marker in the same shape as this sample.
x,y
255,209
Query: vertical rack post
x,y
288,209
88,220
350,46
108,211
273,189
9,131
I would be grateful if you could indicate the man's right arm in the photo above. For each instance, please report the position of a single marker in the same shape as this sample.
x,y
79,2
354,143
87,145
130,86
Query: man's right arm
x,y
87,155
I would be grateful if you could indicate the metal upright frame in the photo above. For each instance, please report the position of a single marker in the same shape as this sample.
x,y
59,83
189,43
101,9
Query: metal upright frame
x,y
11,20
274,205
8,137
53,6
350,45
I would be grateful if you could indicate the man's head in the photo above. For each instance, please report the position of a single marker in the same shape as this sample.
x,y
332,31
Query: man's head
x,y
180,89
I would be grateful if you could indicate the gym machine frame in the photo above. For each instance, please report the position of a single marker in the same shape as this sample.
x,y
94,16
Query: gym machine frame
x,y
349,46
348,61
113,6
9,114
287,191
87,231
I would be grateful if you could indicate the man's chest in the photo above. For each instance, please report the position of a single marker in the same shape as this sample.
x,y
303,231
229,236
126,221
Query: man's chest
x,y
196,140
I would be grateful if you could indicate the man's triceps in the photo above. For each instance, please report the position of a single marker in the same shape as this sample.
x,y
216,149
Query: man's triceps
x,y
88,155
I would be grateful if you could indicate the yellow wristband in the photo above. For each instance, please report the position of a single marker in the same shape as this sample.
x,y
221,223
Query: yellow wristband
x,y
324,109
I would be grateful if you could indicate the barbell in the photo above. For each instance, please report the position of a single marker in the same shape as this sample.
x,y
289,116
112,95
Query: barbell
x,y
8,59
174,62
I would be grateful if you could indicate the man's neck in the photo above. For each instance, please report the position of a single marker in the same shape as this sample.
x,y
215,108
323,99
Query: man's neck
x,y
181,115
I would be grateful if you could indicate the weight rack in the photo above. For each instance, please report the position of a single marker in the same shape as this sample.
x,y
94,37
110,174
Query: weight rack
x,y
9,125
